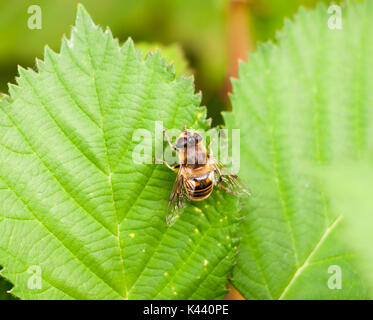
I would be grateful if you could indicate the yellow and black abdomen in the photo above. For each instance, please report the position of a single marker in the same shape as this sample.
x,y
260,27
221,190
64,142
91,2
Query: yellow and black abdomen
x,y
199,187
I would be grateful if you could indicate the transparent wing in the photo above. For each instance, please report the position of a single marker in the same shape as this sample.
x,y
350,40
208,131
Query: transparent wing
x,y
176,202
230,182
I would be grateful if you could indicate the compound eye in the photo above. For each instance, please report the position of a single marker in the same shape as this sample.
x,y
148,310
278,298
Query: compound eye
x,y
197,137
181,143
191,140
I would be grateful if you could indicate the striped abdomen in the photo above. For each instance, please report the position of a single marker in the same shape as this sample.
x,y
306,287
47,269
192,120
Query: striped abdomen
x,y
199,187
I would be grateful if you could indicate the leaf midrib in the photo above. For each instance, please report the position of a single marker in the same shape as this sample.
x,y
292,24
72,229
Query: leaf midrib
x,y
118,238
306,263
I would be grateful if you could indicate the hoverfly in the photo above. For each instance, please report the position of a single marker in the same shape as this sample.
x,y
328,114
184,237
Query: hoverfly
x,y
197,173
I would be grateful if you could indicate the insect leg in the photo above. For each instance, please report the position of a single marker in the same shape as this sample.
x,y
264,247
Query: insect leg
x,y
221,178
224,187
173,168
169,140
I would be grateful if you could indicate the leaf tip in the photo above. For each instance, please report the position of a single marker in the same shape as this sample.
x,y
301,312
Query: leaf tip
x,y
83,17
81,9
129,45
21,70
129,42
12,88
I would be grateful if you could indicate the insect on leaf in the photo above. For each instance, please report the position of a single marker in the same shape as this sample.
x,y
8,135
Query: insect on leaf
x,y
75,210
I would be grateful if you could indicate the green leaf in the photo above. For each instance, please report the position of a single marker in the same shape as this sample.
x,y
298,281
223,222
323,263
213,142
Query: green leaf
x,y
305,100
349,186
72,201
174,54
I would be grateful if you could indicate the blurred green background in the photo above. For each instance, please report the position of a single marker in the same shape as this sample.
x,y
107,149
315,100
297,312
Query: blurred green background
x,y
213,34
